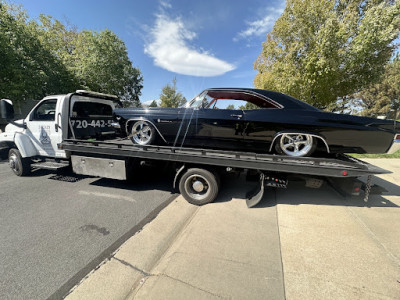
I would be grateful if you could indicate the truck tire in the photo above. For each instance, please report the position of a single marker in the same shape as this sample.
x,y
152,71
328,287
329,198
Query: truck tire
x,y
20,166
199,186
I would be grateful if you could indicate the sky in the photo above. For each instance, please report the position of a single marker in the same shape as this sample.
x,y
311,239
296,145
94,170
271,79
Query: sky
x,y
204,44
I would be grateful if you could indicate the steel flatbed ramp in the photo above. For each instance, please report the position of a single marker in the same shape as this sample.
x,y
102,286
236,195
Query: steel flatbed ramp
x,y
342,166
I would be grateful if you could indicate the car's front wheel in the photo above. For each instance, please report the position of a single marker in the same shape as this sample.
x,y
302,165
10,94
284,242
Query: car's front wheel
x,y
295,144
142,133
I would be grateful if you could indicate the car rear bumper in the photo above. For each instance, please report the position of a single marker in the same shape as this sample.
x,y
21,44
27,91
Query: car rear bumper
x,y
395,145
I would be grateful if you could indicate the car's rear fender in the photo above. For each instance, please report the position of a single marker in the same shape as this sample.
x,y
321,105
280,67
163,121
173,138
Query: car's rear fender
x,y
313,134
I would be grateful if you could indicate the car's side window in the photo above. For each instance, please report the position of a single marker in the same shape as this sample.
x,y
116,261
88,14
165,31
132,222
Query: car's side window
x,y
46,111
232,104
238,100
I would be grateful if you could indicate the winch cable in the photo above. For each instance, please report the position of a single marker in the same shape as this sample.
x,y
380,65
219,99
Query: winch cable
x,y
180,128
187,128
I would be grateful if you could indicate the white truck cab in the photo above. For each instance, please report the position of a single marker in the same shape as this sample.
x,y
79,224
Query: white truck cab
x,y
78,115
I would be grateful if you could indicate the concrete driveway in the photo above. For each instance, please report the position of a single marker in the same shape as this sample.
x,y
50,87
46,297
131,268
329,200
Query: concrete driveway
x,y
298,244
342,249
55,229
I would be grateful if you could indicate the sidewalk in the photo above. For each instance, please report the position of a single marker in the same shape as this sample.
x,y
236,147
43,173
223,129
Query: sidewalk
x,y
311,244
222,250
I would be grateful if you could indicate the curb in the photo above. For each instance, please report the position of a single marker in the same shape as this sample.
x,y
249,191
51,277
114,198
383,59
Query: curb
x,y
118,276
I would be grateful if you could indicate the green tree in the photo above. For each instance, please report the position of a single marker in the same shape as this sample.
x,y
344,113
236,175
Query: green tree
x,y
28,70
58,38
153,104
345,105
43,57
248,106
99,60
382,97
230,106
322,50
102,64
170,97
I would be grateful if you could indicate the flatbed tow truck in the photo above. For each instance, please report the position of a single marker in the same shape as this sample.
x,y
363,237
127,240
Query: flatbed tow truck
x,y
205,165
49,138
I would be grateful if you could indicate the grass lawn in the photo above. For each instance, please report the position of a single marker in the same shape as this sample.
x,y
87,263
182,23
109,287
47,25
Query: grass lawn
x,y
394,155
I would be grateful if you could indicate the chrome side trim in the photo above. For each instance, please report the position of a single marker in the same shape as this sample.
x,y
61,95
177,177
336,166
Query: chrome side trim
x,y
144,119
395,145
313,135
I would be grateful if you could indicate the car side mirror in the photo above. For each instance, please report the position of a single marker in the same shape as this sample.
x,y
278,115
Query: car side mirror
x,y
6,109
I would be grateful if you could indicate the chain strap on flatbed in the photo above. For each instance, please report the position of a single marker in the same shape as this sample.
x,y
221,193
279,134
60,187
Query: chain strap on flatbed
x,y
368,188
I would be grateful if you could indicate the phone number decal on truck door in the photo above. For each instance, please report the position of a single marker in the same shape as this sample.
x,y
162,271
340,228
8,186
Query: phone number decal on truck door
x,y
94,123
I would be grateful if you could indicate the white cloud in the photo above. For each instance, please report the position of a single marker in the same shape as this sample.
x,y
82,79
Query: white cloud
x,y
170,50
165,4
261,26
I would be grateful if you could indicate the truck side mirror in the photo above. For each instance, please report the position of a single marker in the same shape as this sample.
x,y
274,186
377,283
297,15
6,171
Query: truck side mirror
x,y
6,109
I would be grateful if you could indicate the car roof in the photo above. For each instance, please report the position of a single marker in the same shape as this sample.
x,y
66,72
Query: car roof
x,y
288,102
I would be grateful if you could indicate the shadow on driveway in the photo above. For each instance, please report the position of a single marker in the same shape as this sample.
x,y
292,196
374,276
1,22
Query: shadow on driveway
x,y
297,194
234,186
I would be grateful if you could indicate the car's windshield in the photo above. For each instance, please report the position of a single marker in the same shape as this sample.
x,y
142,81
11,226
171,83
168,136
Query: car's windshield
x,y
198,101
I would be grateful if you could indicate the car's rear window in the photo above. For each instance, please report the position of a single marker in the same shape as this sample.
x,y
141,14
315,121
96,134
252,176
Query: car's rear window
x,y
289,101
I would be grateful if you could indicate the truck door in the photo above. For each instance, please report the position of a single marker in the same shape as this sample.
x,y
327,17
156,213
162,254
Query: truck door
x,y
42,130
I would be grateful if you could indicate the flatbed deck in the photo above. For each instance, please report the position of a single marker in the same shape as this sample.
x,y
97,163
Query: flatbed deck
x,y
339,166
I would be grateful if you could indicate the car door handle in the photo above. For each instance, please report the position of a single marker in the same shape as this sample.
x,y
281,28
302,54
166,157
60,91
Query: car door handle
x,y
238,116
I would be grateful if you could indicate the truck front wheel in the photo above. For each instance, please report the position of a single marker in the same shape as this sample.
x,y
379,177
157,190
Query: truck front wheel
x,y
20,166
199,186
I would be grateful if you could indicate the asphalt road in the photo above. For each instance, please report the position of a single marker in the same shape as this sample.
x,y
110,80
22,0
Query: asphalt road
x,y
53,232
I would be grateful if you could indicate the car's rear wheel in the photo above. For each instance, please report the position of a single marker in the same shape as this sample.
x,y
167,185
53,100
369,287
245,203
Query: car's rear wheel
x,y
142,133
296,145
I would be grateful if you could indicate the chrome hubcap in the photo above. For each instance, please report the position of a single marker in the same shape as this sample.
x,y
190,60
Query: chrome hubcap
x,y
296,144
12,161
197,187
141,133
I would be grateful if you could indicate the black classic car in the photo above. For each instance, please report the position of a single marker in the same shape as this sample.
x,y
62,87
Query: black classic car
x,y
257,120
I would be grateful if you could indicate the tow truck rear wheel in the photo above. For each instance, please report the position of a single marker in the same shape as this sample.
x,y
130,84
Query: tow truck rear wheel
x,y
199,186
20,166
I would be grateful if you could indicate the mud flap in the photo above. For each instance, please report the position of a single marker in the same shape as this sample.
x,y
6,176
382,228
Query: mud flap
x,y
254,196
